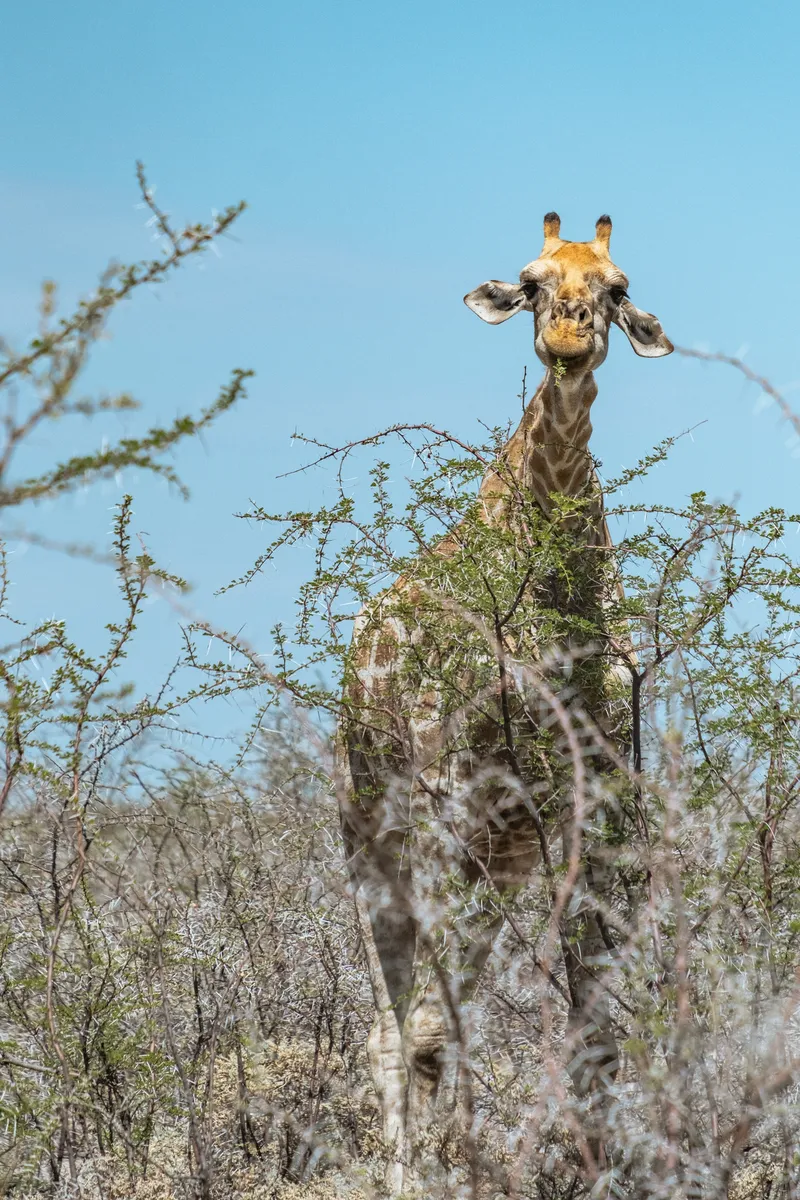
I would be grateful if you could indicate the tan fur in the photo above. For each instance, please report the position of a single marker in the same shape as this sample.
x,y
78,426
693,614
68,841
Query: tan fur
x,y
401,774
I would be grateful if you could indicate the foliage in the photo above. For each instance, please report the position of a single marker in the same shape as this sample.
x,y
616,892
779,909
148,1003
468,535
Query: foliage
x,y
195,1015
68,711
700,827
184,1002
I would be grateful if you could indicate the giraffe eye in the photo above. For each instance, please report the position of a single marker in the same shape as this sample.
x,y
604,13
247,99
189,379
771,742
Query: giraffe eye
x,y
618,294
530,289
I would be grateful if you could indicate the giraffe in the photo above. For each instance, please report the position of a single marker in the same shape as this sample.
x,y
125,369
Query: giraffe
x,y
431,795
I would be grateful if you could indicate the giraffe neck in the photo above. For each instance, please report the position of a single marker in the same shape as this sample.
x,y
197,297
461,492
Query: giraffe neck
x,y
553,438
549,451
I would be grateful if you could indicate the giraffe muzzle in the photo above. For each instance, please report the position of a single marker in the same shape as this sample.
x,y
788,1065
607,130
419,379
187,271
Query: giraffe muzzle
x,y
568,338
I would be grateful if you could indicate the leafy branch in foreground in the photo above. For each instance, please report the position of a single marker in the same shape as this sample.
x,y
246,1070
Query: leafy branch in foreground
x,y
143,453
38,383
54,690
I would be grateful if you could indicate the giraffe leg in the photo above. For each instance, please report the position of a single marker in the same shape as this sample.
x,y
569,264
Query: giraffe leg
x,y
426,1039
374,811
388,938
591,1047
389,1077
491,849
434,1039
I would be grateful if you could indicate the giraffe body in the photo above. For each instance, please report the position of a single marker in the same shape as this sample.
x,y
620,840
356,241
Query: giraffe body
x,y
449,802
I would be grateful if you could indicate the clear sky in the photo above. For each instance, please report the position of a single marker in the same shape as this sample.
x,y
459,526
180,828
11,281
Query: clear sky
x,y
393,157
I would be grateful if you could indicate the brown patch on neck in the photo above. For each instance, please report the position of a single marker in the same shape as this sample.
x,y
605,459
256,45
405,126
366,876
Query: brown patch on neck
x,y
550,450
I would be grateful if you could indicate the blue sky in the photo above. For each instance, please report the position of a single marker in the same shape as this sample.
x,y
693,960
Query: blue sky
x,y
393,157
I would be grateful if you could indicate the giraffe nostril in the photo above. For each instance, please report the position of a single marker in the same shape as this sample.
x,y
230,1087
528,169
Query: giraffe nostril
x,y
584,316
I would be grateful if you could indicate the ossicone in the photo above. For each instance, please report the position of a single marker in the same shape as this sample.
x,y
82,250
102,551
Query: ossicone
x,y
602,230
552,225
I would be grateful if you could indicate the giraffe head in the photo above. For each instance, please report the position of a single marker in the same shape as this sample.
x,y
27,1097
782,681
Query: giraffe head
x,y
575,292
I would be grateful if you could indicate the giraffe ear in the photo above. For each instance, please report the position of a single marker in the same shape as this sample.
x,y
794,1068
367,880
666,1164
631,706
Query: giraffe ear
x,y
495,301
643,331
